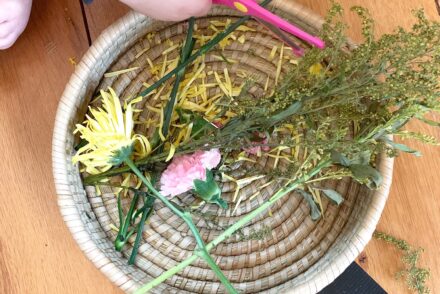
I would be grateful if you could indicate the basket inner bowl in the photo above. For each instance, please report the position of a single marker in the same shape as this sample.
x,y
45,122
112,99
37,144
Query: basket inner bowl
x,y
272,252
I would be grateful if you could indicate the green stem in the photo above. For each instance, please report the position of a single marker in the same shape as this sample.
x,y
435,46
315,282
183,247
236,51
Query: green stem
x,y
186,51
123,236
207,257
203,50
236,226
203,253
187,218
146,212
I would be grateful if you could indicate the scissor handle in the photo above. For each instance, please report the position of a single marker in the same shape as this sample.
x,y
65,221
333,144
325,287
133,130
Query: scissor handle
x,y
252,8
223,2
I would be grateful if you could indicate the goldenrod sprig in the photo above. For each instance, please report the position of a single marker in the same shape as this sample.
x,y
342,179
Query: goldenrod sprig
x,y
416,276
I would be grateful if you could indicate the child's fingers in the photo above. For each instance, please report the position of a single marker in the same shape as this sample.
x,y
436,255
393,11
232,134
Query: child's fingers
x,y
199,7
170,10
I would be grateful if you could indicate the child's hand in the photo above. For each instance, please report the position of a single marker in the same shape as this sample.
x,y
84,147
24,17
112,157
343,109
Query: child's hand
x,y
14,15
174,10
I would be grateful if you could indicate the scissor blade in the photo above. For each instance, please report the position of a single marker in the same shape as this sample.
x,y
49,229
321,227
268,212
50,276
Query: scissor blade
x,y
283,37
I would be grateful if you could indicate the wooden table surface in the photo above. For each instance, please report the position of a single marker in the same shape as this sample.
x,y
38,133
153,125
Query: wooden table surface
x,y
37,252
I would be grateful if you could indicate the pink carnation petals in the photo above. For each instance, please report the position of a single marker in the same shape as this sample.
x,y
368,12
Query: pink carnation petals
x,y
256,150
209,159
179,176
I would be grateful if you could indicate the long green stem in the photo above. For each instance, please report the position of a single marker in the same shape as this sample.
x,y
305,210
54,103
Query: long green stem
x,y
203,253
187,218
207,257
236,226
186,51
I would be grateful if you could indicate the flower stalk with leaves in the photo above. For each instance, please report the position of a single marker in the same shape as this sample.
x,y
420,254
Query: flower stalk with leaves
x,y
113,146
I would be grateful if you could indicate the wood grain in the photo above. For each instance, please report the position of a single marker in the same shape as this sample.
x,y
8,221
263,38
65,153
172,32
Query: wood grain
x,y
37,252
102,13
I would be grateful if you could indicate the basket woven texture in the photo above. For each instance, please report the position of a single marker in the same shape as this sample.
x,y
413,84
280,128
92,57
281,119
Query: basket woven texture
x,y
299,255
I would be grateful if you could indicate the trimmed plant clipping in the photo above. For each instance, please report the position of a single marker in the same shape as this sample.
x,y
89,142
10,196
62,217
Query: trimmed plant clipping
x,y
329,116
414,275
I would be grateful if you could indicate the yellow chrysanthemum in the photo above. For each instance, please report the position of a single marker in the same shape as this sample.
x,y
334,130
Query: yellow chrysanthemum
x,y
108,133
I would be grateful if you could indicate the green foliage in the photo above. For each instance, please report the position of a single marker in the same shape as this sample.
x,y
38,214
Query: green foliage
x,y
315,212
333,196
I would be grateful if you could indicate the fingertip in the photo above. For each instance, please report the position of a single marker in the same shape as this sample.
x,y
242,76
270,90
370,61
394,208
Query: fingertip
x,y
203,7
196,7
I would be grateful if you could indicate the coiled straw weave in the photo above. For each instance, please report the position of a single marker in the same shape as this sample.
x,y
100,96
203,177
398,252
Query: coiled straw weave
x,y
298,255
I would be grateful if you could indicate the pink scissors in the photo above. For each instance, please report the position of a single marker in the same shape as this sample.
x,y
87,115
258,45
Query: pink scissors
x,y
250,7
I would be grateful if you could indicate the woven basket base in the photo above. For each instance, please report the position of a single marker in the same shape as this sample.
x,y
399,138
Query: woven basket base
x,y
294,253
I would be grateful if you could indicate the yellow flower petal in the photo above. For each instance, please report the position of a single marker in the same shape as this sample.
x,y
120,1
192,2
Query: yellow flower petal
x,y
171,153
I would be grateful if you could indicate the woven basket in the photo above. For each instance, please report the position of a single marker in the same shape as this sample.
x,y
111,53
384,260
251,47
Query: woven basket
x,y
299,256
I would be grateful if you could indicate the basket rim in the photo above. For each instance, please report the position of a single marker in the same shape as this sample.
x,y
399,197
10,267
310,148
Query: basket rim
x,y
71,214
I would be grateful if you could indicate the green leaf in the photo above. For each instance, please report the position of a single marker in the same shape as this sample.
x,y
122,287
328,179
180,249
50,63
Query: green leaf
x,y
402,147
429,122
289,111
333,195
184,115
366,174
200,126
209,190
362,158
315,213
340,158
124,233
146,211
184,54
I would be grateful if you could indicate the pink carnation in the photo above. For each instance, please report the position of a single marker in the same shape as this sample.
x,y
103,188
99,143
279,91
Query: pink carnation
x,y
183,170
209,159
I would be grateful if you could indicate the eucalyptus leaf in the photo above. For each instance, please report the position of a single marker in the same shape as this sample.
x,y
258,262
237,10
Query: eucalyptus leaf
x,y
429,122
315,213
381,131
333,195
367,175
362,158
402,147
340,158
